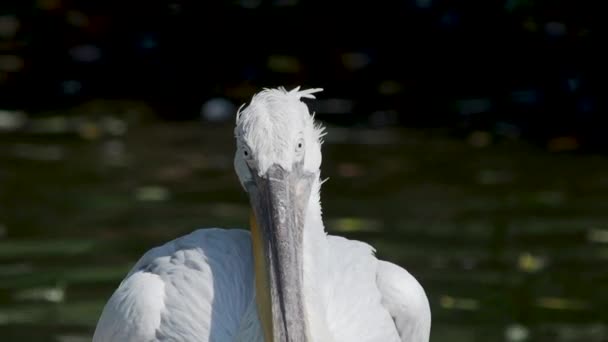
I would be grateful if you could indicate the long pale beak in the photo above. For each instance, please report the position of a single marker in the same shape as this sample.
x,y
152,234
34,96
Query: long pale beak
x,y
279,200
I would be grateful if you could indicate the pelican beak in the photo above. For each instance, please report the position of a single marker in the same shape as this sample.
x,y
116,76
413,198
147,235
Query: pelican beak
x,y
279,200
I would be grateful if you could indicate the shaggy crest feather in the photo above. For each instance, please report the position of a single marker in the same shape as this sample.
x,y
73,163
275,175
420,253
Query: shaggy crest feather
x,y
273,124
269,94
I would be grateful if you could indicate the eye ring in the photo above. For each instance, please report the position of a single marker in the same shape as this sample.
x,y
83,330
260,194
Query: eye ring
x,y
247,152
300,145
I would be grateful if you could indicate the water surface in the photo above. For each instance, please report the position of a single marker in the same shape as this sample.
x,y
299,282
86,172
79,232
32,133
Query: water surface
x,y
509,241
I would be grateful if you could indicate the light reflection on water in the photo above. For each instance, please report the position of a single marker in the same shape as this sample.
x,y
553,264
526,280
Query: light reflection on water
x,y
509,242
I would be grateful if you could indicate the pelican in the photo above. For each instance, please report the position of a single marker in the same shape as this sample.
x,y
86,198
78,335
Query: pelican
x,y
283,280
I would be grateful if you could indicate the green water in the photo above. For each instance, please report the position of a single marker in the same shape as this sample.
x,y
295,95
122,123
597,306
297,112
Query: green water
x,y
509,241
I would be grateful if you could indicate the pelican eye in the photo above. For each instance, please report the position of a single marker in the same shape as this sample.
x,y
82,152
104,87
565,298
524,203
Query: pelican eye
x,y
247,152
300,145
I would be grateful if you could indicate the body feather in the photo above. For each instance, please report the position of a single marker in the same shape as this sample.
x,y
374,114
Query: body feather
x,y
199,287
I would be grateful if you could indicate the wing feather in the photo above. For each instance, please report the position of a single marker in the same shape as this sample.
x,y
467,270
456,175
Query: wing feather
x,y
406,301
195,288
355,311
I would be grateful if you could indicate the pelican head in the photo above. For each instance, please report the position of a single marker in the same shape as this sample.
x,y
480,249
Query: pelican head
x,y
277,160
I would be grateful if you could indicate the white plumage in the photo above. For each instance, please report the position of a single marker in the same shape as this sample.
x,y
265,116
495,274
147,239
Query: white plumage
x,y
201,287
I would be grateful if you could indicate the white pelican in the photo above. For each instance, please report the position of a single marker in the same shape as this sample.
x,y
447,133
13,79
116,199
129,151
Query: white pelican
x,y
285,280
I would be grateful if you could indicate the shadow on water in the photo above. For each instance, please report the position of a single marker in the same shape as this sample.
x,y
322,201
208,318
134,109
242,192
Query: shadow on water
x,y
508,240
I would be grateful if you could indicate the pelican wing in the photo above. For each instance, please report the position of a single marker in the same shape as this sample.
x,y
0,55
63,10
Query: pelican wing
x,y
355,311
406,301
198,287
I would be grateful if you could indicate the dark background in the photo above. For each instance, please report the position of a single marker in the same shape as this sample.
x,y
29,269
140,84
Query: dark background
x,y
531,68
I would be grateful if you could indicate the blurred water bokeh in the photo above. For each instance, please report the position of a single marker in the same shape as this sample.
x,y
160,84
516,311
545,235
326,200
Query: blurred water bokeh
x,y
483,174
